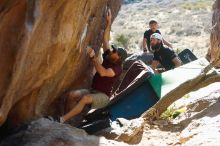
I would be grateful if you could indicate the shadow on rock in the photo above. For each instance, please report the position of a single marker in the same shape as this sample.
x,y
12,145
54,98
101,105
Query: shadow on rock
x,y
45,132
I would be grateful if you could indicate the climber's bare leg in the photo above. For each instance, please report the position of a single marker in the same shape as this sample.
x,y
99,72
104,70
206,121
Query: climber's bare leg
x,y
74,97
86,100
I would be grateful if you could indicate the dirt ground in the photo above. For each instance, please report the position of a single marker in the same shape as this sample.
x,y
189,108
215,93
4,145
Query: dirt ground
x,y
198,125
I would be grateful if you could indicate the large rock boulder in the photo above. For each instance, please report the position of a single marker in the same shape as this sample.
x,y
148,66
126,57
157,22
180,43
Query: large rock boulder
x,y
47,133
42,52
214,51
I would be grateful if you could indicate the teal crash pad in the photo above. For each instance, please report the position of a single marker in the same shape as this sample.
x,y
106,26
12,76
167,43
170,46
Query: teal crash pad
x,y
169,80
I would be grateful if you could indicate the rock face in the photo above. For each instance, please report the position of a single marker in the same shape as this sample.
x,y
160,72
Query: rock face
x,y
129,131
215,36
47,133
42,52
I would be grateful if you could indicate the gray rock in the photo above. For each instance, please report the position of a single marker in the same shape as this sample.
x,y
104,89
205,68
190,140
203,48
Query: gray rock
x,y
44,132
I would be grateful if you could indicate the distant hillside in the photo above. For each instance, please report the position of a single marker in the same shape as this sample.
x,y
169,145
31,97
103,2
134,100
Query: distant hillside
x,y
185,23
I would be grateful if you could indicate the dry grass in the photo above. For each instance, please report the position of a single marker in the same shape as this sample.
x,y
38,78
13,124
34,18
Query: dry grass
x,y
204,4
182,27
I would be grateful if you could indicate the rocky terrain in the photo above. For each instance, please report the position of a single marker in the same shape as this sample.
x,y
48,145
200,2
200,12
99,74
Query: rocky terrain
x,y
41,59
184,23
199,124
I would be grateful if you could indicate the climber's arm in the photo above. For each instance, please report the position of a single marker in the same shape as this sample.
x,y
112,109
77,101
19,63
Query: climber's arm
x,y
98,66
103,72
107,31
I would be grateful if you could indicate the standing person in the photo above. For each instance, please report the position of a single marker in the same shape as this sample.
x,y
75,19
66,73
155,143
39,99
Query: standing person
x,y
153,25
107,73
162,55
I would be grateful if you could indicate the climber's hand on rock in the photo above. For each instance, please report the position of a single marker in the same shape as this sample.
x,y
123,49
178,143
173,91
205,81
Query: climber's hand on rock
x,y
109,17
90,52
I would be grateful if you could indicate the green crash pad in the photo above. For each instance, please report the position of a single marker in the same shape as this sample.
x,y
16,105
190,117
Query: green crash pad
x,y
169,80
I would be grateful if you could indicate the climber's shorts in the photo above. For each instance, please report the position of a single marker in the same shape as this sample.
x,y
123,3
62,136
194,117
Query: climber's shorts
x,y
100,99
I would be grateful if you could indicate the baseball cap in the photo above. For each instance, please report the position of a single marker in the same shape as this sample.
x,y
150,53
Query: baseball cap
x,y
121,52
156,36
152,21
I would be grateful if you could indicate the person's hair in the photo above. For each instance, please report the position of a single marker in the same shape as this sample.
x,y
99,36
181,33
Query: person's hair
x,y
152,22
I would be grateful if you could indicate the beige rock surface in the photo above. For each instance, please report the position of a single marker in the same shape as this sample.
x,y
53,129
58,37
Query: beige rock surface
x,y
42,51
33,85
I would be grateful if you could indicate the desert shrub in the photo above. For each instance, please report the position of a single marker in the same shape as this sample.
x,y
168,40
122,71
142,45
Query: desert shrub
x,y
178,50
204,4
122,40
121,22
186,96
172,113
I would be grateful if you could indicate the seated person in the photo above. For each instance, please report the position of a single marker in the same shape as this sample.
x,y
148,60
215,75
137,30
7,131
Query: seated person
x,y
162,55
153,25
107,73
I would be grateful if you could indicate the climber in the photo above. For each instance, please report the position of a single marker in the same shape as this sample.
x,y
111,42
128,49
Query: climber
x,y
153,25
162,55
106,75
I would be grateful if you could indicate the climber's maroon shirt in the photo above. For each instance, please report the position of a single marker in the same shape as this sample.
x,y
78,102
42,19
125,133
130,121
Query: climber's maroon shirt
x,y
105,84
